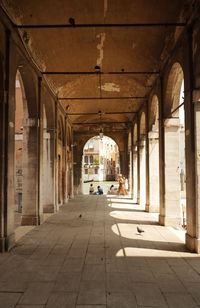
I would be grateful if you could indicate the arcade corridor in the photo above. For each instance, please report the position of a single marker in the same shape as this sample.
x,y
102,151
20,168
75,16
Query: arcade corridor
x,y
98,260
73,70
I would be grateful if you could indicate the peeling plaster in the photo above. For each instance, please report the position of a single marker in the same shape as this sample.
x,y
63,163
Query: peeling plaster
x,y
102,37
110,87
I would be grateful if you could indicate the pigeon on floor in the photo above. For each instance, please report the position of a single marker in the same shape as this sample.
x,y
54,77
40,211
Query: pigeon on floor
x,y
80,216
139,230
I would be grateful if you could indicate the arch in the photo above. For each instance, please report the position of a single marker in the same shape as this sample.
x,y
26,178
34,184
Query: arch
x,y
106,135
173,89
29,90
100,159
61,134
135,134
142,125
153,114
49,111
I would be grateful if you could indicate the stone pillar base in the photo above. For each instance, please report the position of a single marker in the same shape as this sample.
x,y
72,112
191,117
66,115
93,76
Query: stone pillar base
x,y
147,207
161,220
48,208
2,244
192,243
30,220
169,221
6,243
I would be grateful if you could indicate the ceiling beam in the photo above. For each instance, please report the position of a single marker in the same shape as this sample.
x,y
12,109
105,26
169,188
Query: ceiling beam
x,y
93,25
100,123
100,113
100,73
101,98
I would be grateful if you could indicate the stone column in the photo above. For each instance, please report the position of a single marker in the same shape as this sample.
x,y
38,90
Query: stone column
x,y
48,172
153,172
130,178
135,168
172,215
30,206
7,149
197,177
192,143
161,155
142,151
124,163
138,161
147,188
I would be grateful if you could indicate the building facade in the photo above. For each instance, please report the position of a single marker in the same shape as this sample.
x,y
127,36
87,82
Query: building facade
x,y
100,160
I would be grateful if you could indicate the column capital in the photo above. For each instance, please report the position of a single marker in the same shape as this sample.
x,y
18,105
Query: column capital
x,y
175,122
153,135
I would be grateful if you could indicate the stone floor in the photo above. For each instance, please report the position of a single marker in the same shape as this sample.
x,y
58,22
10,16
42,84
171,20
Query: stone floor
x,y
89,255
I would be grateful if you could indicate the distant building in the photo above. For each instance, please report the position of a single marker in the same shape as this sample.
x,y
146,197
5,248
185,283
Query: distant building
x,y
100,159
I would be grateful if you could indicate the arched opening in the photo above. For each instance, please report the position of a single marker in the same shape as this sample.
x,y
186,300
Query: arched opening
x,y
61,163
69,163
153,139
19,146
135,161
142,154
100,162
174,128
47,185
130,162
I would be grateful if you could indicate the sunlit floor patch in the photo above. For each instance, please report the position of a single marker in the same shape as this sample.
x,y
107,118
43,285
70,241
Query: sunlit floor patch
x,y
143,252
128,215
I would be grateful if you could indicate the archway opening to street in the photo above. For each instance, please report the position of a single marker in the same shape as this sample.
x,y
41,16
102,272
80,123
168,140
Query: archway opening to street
x,y
174,128
153,139
100,162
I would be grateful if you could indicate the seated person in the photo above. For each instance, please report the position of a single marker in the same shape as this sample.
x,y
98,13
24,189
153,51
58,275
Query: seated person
x,y
112,190
91,191
99,190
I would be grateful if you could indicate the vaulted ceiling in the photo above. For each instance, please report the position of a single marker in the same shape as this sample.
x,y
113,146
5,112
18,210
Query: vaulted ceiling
x,y
101,57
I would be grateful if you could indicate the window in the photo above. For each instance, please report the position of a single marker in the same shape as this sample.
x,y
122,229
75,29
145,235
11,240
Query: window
x,y
96,170
91,159
86,159
86,171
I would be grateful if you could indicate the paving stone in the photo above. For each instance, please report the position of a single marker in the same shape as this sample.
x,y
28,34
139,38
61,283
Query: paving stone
x,y
91,306
93,272
121,299
148,294
37,293
92,297
30,306
180,300
169,283
68,282
9,300
141,275
61,300
72,265
194,290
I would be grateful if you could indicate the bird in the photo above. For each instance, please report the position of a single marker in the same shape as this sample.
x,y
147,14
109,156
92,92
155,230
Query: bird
x,y
80,216
139,230
71,21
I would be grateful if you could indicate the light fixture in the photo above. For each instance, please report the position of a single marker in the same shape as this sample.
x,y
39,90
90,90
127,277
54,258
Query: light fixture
x,y
101,133
101,129
71,21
